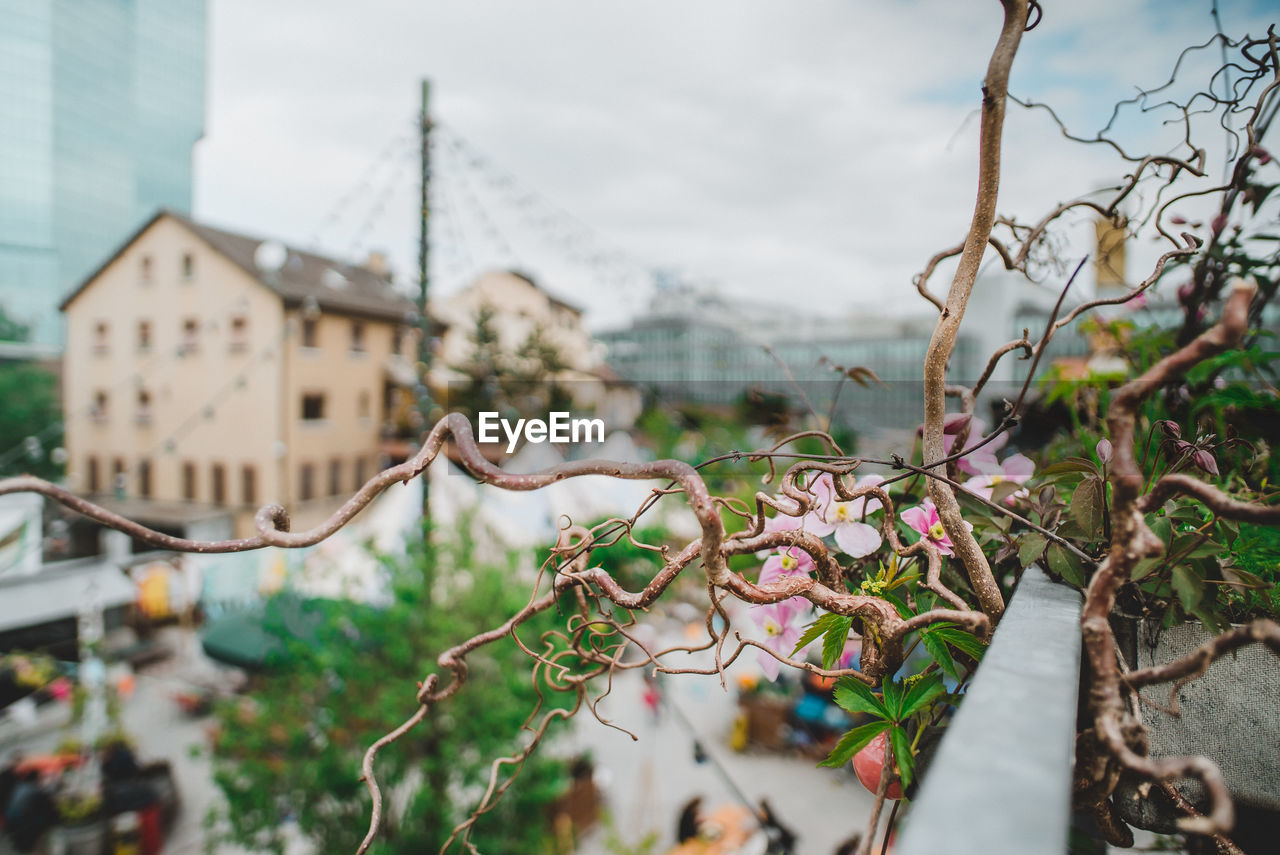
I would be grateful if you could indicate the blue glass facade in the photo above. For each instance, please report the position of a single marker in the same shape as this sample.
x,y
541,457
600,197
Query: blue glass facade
x,y
101,102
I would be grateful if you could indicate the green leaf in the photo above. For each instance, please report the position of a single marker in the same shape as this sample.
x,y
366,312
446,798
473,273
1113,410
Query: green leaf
x,y
1031,547
922,693
1087,503
893,698
816,629
902,755
1144,567
1071,464
960,639
904,611
857,697
833,642
1066,565
937,648
1004,490
1189,585
853,742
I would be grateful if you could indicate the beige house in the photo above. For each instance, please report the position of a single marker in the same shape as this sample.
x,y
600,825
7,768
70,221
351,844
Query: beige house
x,y
520,307
207,373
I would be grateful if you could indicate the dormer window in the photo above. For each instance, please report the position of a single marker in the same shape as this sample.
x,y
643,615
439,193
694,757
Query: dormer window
x,y
101,333
144,271
188,266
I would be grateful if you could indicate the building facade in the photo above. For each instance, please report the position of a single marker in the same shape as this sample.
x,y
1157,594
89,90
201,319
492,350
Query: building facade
x,y
101,102
211,372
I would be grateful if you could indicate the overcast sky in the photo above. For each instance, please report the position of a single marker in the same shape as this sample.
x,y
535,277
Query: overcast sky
x,y
814,153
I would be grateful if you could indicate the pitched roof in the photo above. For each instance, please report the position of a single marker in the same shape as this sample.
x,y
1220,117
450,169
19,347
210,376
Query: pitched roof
x,y
337,286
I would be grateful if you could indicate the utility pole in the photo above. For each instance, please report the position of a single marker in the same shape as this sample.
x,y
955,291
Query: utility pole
x,y
424,278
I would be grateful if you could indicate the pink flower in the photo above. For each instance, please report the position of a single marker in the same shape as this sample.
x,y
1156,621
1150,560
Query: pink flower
x,y
844,519
788,561
780,623
1017,469
977,430
924,519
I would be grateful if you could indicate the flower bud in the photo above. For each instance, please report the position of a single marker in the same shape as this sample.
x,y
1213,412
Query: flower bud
x,y
1104,450
1204,460
1170,428
1263,156
1178,220
1218,223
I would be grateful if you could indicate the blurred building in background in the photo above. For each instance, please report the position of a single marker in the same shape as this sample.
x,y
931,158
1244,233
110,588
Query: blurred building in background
x,y
695,346
101,103
208,373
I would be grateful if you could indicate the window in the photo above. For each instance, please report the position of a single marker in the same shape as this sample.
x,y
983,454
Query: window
x,y
307,483
144,479
101,337
397,340
91,475
145,270
248,485
190,336
99,411
188,266
189,481
360,472
313,407
144,336
357,337
239,336
335,477
144,407
310,332
362,404
218,483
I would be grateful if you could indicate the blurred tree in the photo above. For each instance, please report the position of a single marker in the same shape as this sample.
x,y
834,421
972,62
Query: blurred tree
x,y
31,409
292,749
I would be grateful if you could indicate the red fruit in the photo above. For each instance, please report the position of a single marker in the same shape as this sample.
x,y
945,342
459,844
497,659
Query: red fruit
x,y
869,762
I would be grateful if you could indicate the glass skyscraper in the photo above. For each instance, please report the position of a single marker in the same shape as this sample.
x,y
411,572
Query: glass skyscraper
x,y
101,102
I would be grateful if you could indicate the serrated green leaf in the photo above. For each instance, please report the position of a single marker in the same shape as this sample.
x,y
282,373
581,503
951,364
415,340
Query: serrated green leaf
x,y
853,742
904,611
816,629
1189,585
834,640
1087,502
902,755
856,696
1065,565
962,640
892,698
921,694
1031,547
937,648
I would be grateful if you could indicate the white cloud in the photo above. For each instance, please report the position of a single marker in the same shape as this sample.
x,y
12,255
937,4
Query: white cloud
x,y
821,150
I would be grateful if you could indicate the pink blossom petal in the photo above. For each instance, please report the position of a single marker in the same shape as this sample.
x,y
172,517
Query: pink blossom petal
x,y
917,518
858,539
1019,468
768,665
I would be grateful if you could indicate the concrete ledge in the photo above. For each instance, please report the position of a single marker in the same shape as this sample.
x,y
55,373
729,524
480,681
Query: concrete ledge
x,y
1001,780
